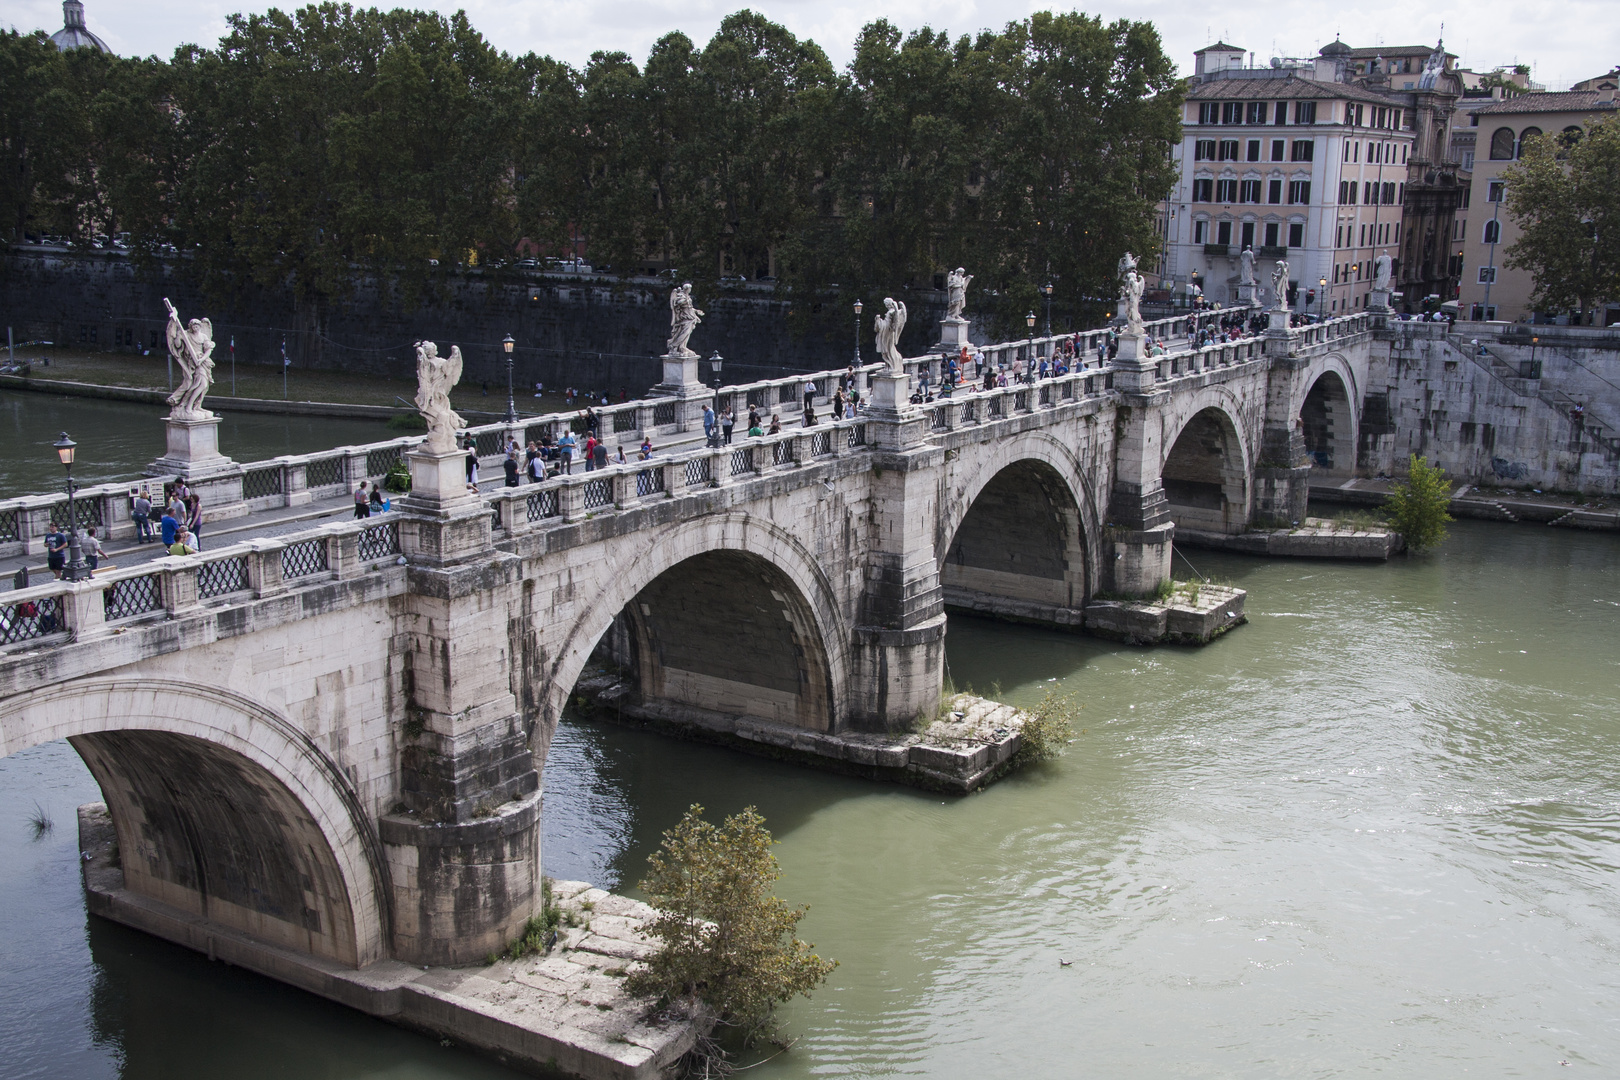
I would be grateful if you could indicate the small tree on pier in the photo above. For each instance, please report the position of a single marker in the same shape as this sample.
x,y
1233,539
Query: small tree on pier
x,y
1417,507
726,941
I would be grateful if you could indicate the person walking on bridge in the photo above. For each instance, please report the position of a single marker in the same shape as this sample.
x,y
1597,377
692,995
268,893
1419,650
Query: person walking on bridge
x,y
141,513
362,505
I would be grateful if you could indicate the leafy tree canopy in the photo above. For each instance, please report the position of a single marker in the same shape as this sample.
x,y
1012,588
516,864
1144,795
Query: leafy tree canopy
x,y
1564,194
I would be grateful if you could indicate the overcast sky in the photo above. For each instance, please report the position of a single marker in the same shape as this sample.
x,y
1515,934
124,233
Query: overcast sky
x,y
1563,41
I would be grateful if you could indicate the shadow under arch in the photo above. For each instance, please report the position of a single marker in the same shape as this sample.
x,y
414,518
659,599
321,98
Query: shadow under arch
x,y
1017,538
1328,422
223,810
1206,473
727,615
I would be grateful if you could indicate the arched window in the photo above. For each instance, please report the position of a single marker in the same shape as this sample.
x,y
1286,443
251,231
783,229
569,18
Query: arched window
x,y
1568,138
1502,145
1493,232
1525,136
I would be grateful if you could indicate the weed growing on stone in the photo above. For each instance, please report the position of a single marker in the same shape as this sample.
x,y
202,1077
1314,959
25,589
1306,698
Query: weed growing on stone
x,y
1047,731
1417,506
1165,588
1358,521
539,932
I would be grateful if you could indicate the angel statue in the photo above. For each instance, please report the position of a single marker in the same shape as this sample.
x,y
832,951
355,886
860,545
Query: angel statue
x,y
192,345
956,283
435,377
888,327
1279,285
1381,271
1130,292
683,319
1246,267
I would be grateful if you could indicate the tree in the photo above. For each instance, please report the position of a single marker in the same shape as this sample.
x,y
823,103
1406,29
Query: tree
x,y
1417,506
1564,196
726,941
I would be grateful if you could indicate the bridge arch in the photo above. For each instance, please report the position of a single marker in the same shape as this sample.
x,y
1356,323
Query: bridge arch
x,y
701,596
1207,463
223,809
1017,534
1328,415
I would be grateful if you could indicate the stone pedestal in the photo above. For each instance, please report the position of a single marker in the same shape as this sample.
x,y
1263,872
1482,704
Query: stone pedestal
x,y
1246,293
680,377
441,521
953,334
1133,372
1378,300
192,454
1278,319
890,393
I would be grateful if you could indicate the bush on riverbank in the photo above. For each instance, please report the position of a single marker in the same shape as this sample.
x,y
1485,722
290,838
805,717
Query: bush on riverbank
x,y
727,943
1047,731
1417,506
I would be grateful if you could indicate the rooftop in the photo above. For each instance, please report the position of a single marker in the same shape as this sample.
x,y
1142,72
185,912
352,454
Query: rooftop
x,y
1549,102
74,34
1282,83
1219,46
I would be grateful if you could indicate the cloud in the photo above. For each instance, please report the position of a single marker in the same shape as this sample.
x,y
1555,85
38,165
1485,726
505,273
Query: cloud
x,y
1563,41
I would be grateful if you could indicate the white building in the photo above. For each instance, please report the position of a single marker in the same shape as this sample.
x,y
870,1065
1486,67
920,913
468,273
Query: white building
x,y
1296,162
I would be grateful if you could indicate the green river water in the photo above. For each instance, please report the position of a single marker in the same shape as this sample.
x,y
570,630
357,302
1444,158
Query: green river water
x,y
1373,832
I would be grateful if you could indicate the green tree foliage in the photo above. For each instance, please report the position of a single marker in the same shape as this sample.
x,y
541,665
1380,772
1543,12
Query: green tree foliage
x,y
1417,506
1564,194
725,940
312,149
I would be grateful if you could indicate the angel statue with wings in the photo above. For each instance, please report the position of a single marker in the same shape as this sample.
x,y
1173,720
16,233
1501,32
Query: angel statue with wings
x,y
436,376
888,327
192,346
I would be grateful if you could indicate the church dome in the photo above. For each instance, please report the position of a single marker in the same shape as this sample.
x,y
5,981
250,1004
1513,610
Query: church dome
x,y
74,34
1335,48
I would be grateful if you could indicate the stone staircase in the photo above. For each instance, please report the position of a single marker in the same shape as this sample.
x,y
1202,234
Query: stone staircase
x,y
1587,432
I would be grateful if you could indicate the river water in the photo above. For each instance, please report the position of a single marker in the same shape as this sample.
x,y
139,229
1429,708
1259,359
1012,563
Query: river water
x,y
1373,831
119,439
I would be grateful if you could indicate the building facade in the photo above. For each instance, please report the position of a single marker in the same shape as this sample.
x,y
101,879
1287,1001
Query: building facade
x,y
1324,162
1491,290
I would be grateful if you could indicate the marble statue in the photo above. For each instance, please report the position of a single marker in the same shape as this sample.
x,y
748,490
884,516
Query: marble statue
x,y
1246,267
1279,285
436,376
956,283
683,319
888,327
192,347
1381,271
1130,292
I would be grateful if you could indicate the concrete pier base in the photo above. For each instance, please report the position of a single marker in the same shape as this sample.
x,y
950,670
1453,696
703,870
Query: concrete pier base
x,y
562,1012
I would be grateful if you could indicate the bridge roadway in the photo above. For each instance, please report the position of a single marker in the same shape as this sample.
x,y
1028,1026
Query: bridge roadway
x,y
328,739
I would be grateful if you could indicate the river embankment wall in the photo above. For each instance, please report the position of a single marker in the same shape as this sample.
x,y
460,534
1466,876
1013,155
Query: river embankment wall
x,y
586,330
1492,407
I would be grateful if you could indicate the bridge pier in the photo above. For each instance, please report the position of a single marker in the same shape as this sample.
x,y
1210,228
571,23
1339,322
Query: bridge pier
x,y
1139,533
1282,474
463,846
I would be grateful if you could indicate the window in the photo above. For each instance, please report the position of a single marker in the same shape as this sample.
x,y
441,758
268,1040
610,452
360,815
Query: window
x,y
1232,112
1254,150
1389,194
1502,145
1525,136
1249,191
1493,190
1367,192
1493,232
1204,150
1200,231
1468,160
1229,150
1403,153
1345,188
1338,237
1257,112
1203,190
1274,192
1281,115
1223,232
1487,275
1299,191
1209,112
1278,148
1304,112
1296,233
1247,235
1304,149
1226,191
1271,234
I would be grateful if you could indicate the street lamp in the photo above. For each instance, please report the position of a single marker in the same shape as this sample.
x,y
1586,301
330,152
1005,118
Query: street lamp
x,y
1321,296
1532,374
715,360
511,403
1046,293
74,571
857,335
1029,321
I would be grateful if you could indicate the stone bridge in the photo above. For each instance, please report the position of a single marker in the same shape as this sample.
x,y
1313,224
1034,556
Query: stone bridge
x,y
331,742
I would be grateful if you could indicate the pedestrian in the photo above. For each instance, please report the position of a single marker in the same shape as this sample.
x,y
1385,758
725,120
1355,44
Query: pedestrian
x,y
56,545
182,543
753,417
194,519
620,459
378,503
754,430
809,401
709,423
776,424
646,449
510,465
590,452
362,505
534,463
565,446
91,549
727,422
168,525
539,388
141,513
472,463
601,454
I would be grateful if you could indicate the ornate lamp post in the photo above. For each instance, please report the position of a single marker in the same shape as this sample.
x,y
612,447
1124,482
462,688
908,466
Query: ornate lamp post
x,y
74,571
1321,297
857,335
1029,365
715,360
511,402
1046,294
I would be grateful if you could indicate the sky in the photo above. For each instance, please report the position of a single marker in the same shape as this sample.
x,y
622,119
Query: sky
x,y
1562,40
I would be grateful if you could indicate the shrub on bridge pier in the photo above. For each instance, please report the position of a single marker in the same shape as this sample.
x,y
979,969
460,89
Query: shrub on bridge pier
x,y
1417,507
